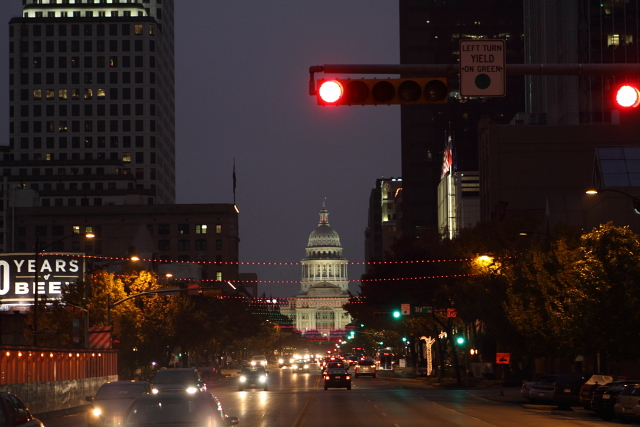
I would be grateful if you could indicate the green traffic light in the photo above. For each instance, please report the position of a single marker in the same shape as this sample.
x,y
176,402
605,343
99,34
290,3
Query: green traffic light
x,y
460,340
404,339
397,314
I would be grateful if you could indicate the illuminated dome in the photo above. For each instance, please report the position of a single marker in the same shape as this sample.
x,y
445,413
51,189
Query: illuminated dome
x,y
324,235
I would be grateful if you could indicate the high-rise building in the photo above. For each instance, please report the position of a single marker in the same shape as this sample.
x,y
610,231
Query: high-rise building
x,y
429,34
92,102
578,31
383,218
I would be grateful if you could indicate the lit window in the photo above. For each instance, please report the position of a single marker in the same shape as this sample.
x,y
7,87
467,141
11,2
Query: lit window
x,y
126,157
201,229
76,229
101,93
62,94
37,94
218,228
218,275
137,29
51,94
88,93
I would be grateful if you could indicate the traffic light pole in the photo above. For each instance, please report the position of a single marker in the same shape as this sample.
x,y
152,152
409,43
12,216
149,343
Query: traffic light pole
x,y
451,69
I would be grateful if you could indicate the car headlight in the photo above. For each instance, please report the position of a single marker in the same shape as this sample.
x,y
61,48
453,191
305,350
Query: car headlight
x,y
263,363
263,379
243,379
280,360
294,366
154,391
291,360
306,366
96,412
192,390
253,363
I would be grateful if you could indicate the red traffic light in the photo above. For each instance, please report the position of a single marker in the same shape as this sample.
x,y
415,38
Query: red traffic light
x,y
382,91
628,96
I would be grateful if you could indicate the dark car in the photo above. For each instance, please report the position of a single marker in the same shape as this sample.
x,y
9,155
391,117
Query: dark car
x,y
299,365
365,367
542,389
604,398
178,379
177,410
335,365
526,384
566,390
253,376
587,389
112,400
14,413
337,378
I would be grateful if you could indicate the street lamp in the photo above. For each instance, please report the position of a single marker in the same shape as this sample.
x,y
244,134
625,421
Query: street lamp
x,y
634,199
37,270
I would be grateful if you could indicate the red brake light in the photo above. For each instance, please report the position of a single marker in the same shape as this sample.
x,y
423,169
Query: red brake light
x,y
327,377
348,377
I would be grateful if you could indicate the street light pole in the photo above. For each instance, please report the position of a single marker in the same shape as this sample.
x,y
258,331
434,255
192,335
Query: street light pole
x,y
634,199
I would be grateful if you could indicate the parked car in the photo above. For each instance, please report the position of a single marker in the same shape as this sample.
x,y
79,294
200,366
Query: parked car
x,y
626,402
365,367
604,398
587,389
542,390
177,410
14,413
178,379
112,400
566,390
526,385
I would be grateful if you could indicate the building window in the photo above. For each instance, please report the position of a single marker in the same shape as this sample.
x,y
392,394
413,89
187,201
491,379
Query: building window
x,y
164,229
183,228
201,229
218,228
201,245
183,245
218,244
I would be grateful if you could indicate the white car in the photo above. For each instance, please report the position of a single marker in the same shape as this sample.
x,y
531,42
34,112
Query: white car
x,y
258,361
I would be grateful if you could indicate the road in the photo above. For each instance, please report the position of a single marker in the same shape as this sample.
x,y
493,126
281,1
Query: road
x,y
298,399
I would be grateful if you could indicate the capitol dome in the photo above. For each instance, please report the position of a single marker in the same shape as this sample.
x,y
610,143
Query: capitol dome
x,y
324,235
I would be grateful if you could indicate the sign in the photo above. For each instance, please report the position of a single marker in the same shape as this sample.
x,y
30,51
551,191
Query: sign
x,y
422,309
503,358
100,337
452,312
482,68
55,271
405,309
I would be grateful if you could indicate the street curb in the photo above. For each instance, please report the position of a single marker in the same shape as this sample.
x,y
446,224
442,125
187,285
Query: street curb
x,y
62,412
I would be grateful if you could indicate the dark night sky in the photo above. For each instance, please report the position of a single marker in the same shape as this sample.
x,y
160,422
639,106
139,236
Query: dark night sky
x,y
242,92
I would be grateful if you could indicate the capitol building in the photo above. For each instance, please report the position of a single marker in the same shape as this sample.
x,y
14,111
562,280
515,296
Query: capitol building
x,y
317,311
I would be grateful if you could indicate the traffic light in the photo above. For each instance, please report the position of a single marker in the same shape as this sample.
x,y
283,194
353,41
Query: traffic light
x,y
460,340
382,91
396,314
404,339
628,96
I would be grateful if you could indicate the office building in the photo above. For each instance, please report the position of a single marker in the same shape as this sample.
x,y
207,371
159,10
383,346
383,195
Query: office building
x,y
383,218
92,102
429,34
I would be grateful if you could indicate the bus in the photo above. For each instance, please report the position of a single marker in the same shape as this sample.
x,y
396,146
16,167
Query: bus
x,y
385,360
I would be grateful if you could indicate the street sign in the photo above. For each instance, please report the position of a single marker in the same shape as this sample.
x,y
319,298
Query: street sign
x,y
452,312
405,309
422,309
503,358
482,68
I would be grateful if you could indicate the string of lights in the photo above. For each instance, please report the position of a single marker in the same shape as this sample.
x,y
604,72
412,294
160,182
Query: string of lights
x,y
424,261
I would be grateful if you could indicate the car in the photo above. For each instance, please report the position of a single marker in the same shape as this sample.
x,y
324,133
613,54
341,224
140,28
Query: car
x,y
587,389
365,367
259,361
604,398
14,413
626,401
300,366
253,376
177,379
337,378
112,400
526,385
566,390
542,390
334,365
176,410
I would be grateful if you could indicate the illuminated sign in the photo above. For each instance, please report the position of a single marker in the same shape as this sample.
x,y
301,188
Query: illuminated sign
x,y
18,275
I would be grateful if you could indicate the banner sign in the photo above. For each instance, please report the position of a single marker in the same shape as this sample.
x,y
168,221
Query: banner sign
x,y
55,271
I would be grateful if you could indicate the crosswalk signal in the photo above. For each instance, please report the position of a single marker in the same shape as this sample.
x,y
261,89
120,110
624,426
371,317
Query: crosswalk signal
x,y
382,91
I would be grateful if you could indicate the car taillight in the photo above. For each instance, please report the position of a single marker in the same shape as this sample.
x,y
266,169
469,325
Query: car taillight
x,y
357,366
348,377
327,377
523,386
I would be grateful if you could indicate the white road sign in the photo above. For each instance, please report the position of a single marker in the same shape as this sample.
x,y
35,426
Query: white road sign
x,y
406,309
482,68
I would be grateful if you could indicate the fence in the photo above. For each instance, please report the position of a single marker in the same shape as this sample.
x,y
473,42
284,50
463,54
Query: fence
x,y
50,379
